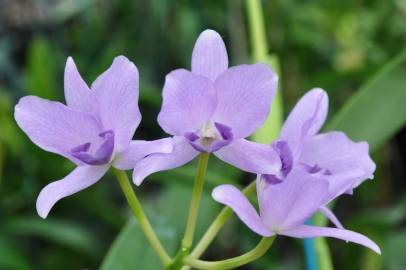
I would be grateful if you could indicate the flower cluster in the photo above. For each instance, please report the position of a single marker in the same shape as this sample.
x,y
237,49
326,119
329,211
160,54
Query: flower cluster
x,y
210,109
315,170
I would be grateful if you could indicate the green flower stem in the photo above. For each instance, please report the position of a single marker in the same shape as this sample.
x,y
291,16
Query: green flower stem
x,y
269,131
248,257
194,204
139,214
187,240
257,29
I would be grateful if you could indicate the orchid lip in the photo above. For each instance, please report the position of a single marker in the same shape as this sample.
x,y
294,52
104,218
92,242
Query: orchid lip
x,y
286,156
103,153
271,179
316,169
286,159
210,138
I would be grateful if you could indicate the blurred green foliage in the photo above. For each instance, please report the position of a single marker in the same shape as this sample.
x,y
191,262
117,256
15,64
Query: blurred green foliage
x,y
336,45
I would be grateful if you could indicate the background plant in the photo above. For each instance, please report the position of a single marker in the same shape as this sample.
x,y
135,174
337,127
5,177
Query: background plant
x,y
342,46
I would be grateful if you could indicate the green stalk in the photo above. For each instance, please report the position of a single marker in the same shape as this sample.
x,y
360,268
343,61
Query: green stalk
x,y
187,240
246,258
322,250
140,216
272,125
265,134
194,204
257,29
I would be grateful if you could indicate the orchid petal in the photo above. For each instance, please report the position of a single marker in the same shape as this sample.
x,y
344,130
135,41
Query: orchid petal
x,y
117,95
209,58
331,216
138,150
188,102
348,162
244,95
55,127
342,183
306,231
77,94
306,119
182,153
79,179
292,201
250,156
236,200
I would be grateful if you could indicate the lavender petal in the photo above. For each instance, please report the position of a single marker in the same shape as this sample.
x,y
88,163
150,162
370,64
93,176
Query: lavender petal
x,y
79,179
188,102
209,58
117,97
244,95
235,199
182,153
335,152
138,150
293,201
305,120
251,157
306,231
77,94
331,216
55,127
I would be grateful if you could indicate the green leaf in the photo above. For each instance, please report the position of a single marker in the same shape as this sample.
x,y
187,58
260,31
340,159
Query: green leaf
x,y
42,69
10,137
168,216
376,111
394,251
130,250
65,233
11,256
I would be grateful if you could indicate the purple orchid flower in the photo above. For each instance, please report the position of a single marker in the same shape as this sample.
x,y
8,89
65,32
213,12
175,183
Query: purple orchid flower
x,y
212,108
331,156
284,208
94,130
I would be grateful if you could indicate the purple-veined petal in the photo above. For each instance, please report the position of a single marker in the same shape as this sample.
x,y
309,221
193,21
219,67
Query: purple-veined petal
x,y
348,162
342,183
306,119
331,216
251,157
263,182
182,153
244,95
307,231
77,94
117,95
209,58
235,199
55,127
79,179
138,150
292,201
188,102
